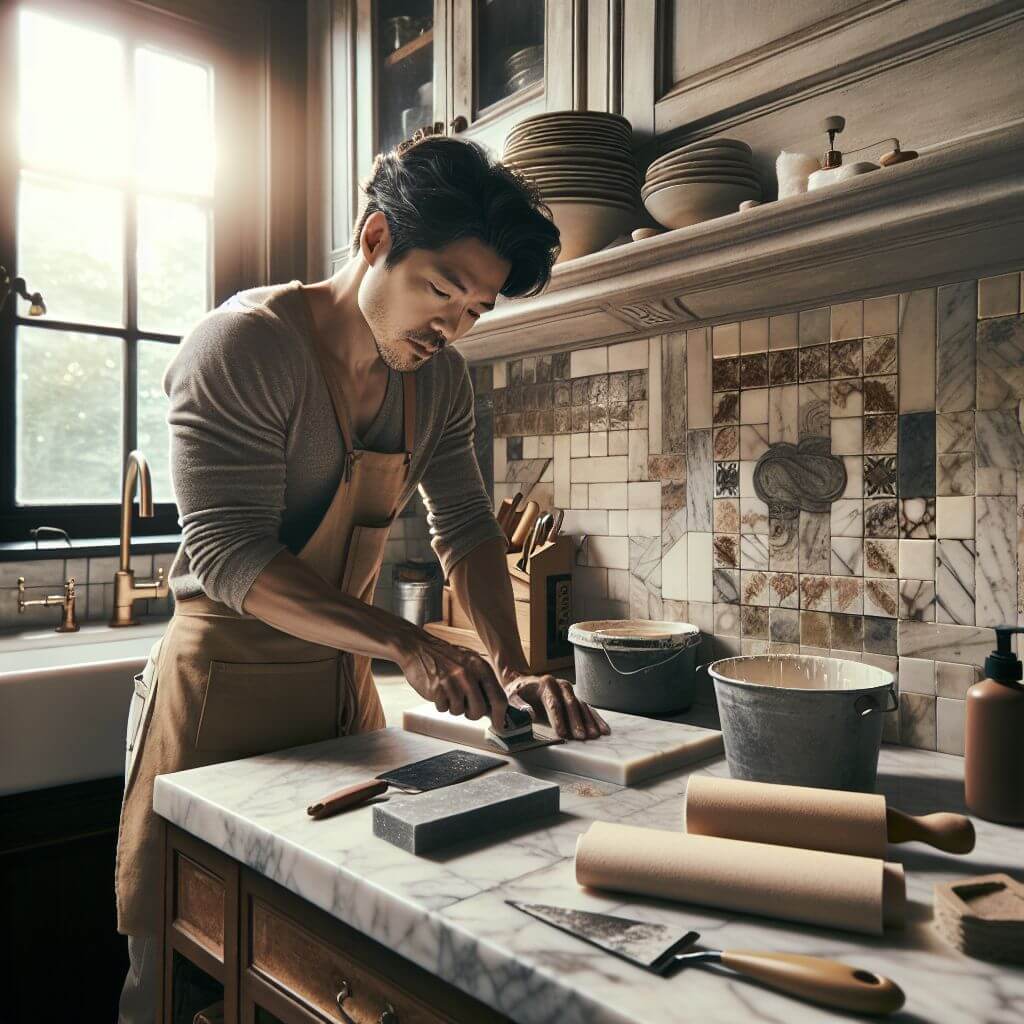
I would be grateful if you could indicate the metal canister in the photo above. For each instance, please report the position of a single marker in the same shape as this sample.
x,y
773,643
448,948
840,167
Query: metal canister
x,y
416,590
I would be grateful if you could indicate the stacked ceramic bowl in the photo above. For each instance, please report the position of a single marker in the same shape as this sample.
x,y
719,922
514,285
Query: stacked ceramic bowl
x,y
523,68
700,181
582,163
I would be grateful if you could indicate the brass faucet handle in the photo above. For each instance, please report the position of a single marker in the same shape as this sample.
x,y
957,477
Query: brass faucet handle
x,y
68,623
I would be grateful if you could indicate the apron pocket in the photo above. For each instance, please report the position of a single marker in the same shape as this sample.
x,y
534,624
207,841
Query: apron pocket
x,y
362,563
258,708
140,710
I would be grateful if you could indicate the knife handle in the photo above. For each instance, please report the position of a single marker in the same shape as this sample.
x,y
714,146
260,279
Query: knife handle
x,y
821,981
347,798
953,833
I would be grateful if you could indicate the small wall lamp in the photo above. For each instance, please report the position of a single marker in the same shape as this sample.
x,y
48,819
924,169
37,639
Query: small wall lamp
x,y
36,305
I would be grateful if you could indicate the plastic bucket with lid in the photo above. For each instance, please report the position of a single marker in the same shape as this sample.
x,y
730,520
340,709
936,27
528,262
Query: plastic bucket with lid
x,y
801,720
635,665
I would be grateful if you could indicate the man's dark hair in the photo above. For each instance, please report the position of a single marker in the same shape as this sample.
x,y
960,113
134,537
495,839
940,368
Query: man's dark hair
x,y
434,190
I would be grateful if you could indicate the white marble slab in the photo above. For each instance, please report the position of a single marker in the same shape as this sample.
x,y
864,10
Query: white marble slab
x,y
449,914
637,749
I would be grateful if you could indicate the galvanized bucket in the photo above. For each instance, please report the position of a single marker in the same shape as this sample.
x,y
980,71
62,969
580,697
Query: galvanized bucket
x,y
639,666
801,720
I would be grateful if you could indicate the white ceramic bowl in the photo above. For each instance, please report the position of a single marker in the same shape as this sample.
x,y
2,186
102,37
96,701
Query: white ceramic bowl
x,y
679,206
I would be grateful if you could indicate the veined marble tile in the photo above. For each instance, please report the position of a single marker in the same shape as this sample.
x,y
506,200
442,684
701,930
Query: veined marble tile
x,y
753,516
917,517
784,543
954,475
996,567
655,398
814,325
954,432
847,518
700,476
880,557
954,581
917,338
753,551
917,600
953,681
783,414
992,480
965,645
999,296
815,542
685,386
847,320
813,410
847,556
1000,361
917,720
881,599
881,315
753,441
726,586
957,306
782,331
1000,439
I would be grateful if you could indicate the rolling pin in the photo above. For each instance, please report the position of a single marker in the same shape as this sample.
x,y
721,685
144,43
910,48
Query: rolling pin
x,y
835,821
525,525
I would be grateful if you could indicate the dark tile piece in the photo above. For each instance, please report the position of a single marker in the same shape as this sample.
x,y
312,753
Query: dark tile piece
x,y
513,424
814,363
880,354
726,550
880,434
880,518
545,396
580,418
725,408
727,479
530,370
514,374
784,626
580,391
815,629
845,359
782,366
880,394
531,397
637,386
482,376
847,632
545,421
618,387
599,417
917,447
562,421
598,389
513,448
514,399
543,369
531,422
560,366
618,416
879,476
725,374
754,370
880,635
754,622
666,467
500,397
562,395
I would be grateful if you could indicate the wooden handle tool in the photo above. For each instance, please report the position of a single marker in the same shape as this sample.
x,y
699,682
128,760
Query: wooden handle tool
x,y
556,525
344,799
506,513
524,526
951,833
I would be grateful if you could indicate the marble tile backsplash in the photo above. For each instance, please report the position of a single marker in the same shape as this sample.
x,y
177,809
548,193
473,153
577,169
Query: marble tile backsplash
x,y
845,480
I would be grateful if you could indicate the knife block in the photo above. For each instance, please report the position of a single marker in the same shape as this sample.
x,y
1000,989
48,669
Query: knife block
x,y
543,603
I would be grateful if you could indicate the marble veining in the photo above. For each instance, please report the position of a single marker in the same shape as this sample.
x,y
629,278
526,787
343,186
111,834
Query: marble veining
x,y
449,914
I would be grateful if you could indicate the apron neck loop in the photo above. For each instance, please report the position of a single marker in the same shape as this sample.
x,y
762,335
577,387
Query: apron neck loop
x,y
409,413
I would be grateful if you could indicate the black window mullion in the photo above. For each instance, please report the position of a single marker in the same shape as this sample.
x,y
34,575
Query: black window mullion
x,y
129,408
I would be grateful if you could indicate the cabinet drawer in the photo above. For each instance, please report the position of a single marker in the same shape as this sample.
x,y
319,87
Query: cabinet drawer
x,y
321,976
199,904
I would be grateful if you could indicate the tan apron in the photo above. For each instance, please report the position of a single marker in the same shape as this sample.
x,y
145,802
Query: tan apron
x,y
220,686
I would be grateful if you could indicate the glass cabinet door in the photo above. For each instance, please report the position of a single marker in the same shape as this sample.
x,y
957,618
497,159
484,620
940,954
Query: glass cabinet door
x,y
508,50
403,35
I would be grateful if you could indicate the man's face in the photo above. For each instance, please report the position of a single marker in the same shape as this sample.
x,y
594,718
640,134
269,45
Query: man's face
x,y
430,299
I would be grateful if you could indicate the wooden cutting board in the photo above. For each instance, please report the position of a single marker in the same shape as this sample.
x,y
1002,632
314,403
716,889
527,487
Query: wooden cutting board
x,y
637,749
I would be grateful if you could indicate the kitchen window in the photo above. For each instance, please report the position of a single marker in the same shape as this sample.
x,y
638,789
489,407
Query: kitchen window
x,y
117,206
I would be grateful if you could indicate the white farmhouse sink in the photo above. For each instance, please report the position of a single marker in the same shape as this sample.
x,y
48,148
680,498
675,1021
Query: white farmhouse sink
x,y
64,703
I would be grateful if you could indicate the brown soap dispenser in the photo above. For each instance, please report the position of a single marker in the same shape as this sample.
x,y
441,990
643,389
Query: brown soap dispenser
x,y
994,737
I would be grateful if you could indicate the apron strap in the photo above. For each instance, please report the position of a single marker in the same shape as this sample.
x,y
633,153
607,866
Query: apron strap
x,y
409,412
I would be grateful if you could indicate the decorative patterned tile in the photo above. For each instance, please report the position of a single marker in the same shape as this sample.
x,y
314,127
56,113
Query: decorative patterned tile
x,y
881,598
725,374
726,445
879,476
815,629
782,366
880,434
754,370
847,594
847,518
846,397
880,355
754,587
814,364
954,581
726,514
727,479
880,394
917,600
954,474
726,551
847,556
815,593
814,415
725,408
783,590
726,586
845,359
881,518
880,557
917,518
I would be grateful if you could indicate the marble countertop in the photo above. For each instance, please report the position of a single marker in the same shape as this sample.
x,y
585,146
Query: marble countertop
x,y
447,912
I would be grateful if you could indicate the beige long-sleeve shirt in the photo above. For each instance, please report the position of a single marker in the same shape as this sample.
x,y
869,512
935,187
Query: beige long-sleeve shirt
x,y
256,452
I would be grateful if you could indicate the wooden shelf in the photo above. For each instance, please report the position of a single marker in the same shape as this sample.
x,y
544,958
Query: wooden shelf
x,y
951,214
411,47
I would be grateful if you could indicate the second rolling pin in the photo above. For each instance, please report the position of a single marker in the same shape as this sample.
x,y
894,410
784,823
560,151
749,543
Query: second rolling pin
x,y
820,819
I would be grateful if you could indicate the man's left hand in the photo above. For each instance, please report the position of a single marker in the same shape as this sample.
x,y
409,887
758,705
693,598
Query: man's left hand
x,y
552,699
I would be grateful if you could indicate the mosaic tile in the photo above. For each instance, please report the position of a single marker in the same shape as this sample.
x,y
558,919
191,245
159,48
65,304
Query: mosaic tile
x,y
814,363
637,386
1000,361
917,600
815,629
917,518
784,414
784,625
514,373
725,374
845,359
847,594
1000,440
754,587
726,550
618,387
783,543
880,434
880,394
666,467
814,415
562,395
727,479
726,586
847,556
783,590
815,542
995,568
753,551
754,622
880,355
753,440
815,593
879,476
560,365
954,474
847,632
754,370
917,437
753,516
726,514
881,518
881,598
880,634
529,369
880,557
725,408
955,356
847,517
727,443
954,581
846,398
782,366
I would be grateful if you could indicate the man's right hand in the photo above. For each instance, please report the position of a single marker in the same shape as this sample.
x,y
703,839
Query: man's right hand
x,y
452,678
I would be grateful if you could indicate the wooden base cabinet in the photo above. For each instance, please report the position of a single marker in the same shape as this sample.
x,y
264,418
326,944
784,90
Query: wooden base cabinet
x,y
232,935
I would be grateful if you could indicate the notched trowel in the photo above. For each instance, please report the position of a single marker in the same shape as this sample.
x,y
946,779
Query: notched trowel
x,y
519,733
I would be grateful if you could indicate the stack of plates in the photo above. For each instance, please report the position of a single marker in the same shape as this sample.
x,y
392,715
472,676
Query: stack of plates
x,y
582,163
523,68
700,181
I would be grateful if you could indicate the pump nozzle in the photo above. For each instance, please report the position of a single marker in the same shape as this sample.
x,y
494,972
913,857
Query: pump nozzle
x,y
1002,664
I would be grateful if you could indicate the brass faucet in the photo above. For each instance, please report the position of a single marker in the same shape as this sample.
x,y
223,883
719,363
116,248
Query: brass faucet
x,y
68,622
126,590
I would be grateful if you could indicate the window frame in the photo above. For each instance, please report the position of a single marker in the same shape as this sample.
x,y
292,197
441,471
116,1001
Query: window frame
x,y
232,38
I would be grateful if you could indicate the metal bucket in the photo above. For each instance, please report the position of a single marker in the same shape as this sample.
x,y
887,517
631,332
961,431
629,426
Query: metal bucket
x,y
635,665
416,591
801,720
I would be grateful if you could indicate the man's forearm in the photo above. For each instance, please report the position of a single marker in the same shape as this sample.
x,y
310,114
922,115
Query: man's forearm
x,y
292,597
481,583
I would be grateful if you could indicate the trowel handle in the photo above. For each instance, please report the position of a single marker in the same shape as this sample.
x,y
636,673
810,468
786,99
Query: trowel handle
x,y
821,981
347,798
953,833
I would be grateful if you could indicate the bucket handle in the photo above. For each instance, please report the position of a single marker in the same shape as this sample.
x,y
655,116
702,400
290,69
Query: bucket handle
x,y
643,668
866,705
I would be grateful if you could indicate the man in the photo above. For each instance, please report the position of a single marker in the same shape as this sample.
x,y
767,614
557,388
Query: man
x,y
302,419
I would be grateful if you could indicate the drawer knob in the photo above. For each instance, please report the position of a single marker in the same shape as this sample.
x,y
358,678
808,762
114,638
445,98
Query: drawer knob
x,y
344,991
388,1015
